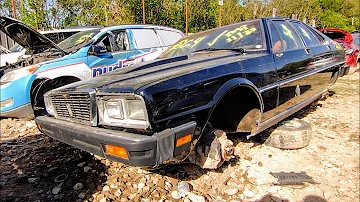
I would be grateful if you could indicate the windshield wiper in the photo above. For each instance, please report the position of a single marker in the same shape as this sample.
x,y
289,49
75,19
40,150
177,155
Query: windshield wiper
x,y
241,50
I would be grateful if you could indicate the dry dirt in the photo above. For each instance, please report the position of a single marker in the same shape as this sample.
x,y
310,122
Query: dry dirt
x,y
37,168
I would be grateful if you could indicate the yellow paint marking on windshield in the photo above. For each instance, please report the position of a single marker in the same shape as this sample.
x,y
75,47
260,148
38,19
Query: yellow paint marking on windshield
x,y
187,43
198,41
213,42
305,33
84,38
239,33
287,31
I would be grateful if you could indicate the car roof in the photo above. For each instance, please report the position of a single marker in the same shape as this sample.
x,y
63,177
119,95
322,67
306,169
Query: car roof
x,y
138,26
67,30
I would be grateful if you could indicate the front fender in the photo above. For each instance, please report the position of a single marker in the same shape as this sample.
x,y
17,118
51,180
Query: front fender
x,y
231,84
18,90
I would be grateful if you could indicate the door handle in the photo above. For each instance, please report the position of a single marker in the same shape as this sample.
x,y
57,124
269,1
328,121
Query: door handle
x,y
308,50
279,54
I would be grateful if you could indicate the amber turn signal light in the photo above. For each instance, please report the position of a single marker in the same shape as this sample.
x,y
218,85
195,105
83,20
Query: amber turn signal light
x,y
116,151
183,140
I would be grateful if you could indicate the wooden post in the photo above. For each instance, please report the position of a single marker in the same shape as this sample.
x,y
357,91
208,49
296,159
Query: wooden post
x,y
220,15
186,17
13,8
143,11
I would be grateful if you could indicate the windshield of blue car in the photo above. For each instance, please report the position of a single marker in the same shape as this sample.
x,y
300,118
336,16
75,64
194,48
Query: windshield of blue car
x,y
247,35
77,40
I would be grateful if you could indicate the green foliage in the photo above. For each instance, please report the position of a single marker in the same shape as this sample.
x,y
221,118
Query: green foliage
x,y
34,13
203,14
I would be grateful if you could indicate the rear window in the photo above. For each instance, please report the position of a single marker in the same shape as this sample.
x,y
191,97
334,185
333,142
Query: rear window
x,y
145,38
169,37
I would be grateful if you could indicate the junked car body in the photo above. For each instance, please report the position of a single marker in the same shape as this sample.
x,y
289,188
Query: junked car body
x,y
83,55
242,77
349,42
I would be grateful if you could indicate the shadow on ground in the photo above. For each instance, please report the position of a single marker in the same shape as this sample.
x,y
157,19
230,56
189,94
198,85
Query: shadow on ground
x,y
32,166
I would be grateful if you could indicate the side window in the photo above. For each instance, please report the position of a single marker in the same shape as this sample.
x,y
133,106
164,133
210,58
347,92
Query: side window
x,y
317,34
145,38
120,41
169,37
277,45
305,34
105,43
114,41
290,38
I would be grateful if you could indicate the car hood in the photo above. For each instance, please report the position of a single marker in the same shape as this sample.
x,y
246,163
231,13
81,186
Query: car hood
x,y
129,79
25,36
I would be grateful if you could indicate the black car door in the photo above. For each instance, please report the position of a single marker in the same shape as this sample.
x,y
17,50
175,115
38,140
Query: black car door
x,y
322,59
293,60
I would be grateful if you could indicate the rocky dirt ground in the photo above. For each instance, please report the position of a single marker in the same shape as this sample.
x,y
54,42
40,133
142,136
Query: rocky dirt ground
x,y
37,168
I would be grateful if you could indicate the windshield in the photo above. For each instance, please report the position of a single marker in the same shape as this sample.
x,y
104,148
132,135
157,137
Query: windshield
x,y
246,35
16,48
77,40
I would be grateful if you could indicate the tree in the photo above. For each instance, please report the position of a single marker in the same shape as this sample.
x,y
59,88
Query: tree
x,y
34,13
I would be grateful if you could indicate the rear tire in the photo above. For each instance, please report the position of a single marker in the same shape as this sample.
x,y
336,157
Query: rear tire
x,y
294,134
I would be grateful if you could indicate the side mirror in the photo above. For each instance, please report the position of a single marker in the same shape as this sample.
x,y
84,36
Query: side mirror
x,y
98,50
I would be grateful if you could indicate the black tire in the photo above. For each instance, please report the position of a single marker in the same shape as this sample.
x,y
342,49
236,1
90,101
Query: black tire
x,y
294,134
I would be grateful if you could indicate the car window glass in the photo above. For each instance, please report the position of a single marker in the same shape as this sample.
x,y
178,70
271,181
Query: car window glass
x,y
119,41
105,43
305,34
16,48
277,46
316,34
246,35
78,40
290,38
145,38
169,37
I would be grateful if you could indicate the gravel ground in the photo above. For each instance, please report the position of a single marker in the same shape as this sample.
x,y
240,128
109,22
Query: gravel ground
x,y
37,168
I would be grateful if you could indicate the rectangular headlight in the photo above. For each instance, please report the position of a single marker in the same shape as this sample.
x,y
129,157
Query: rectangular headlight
x,y
135,110
114,109
128,111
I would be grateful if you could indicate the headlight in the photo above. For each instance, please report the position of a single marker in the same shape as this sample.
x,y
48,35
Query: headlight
x,y
135,109
48,105
124,112
18,73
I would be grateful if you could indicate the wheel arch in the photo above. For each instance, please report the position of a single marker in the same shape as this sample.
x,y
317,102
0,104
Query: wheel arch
x,y
233,85
44,84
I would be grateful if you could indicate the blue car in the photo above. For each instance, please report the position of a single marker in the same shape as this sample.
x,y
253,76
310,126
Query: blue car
x,y
84,55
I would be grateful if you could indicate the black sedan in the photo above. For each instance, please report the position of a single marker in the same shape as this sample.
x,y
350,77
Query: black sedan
x,y
240,78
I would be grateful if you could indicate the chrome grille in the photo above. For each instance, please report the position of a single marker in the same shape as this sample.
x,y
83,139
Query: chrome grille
x,y
76,107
